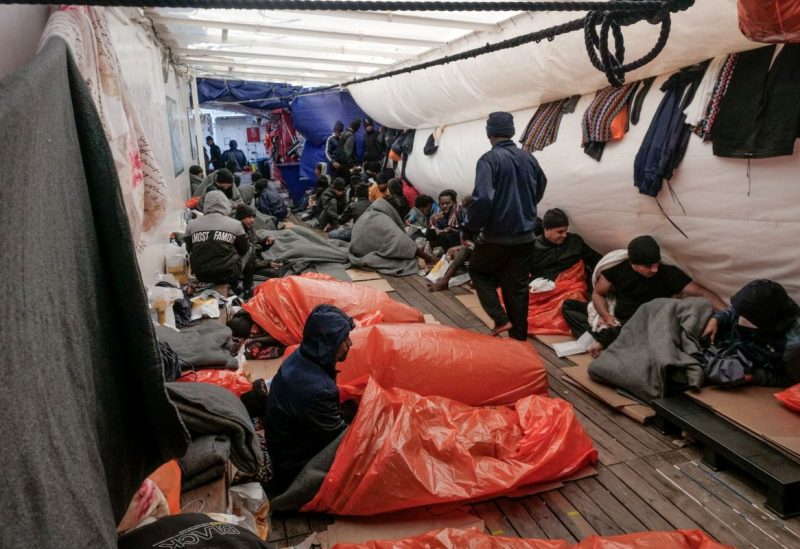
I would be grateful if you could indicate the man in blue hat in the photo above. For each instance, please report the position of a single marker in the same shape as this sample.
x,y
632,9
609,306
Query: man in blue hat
x,y
508,185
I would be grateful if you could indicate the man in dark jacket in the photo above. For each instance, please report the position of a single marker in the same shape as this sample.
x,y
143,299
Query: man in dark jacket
x,y
508,185
195,179
216,242
221,180
332,204
303,414
373,149
349,153
269,201
557,249
333,149
233,154
215,153
352,212
252,262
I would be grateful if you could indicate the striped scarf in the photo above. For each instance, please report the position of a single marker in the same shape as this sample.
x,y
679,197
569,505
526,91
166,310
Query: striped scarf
x,y
542,130
607,103
703,129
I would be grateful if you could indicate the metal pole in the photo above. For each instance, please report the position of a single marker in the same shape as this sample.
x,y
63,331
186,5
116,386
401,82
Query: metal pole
x,y
198,130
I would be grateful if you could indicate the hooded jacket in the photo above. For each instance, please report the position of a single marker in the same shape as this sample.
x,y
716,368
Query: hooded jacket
x,y
330,208
303,414
195,182
216,242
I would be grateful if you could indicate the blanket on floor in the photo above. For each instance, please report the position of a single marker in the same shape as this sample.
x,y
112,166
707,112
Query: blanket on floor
x,y
304,250
657,348
204,345
379,242
205,461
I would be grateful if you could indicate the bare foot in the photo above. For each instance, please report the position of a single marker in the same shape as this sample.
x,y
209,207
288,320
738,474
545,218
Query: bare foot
x,y
438,286
595,349
502,328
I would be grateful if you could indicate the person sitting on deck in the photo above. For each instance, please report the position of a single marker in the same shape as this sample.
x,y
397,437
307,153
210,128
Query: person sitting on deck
x,y
762,325
331,205
222,182
195,178
395,187
268,200
418,219
446,226
557,249
303,414
352,212
379,189
216,242
252,262
633,280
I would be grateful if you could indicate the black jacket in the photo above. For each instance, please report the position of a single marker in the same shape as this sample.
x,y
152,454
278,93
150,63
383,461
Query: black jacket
x,y
354,210
330,207
303,414
373,149
550,260
216,242
348,147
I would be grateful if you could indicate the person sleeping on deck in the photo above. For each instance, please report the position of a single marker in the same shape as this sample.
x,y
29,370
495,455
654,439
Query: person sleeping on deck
x,y
639,277
756,340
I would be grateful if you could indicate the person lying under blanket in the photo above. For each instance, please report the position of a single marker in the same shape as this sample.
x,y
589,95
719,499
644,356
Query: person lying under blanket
x,y
755,340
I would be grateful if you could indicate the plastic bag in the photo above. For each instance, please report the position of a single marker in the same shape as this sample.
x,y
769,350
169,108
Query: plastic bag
x,y
168,479
770,21
148,504
544,308
471,368
177,263
161,300
451,538
282,305
233,381
438,270
404,450
790,397
204,305
250,502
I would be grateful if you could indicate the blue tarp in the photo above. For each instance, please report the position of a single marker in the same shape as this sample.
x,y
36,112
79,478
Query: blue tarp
x,y
314,116
228,94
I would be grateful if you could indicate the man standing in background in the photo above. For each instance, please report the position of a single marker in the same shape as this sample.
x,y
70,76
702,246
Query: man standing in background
x,y
508,185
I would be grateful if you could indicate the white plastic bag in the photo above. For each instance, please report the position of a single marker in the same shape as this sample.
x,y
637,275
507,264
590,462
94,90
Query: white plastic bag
x,y
177,263
161,300
439,270
250,502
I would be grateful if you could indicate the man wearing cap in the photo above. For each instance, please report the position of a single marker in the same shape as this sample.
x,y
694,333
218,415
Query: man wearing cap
x,y
637,279
508,185
333,147
557,249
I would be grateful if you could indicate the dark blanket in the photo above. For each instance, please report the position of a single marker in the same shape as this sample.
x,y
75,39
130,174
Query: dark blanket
x,y
657,348
305,250
208,409
85,417
205,461
204,345
379,242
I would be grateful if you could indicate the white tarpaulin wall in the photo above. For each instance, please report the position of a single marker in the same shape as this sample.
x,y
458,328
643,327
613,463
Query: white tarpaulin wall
x,y
733,237
534,73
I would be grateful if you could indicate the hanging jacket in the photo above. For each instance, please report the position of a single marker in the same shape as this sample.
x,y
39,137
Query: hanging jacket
x,y
508,185
216,242
760,112
303,414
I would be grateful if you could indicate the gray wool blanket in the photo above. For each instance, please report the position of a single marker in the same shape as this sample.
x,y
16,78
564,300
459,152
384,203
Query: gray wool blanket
x,y
309,480
205,461
205,345
657,347
207,409
305,250
379,242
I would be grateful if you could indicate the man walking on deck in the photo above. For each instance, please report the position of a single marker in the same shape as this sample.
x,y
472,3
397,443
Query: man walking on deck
x,y
508,185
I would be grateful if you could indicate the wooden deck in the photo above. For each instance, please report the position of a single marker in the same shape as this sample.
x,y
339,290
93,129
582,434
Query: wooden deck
x,y
645,481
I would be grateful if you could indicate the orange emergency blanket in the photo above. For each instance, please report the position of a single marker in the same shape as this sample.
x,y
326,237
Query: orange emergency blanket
x,y
544,308
790,397
450,538
432,360
404,450
770,20
228,379
282,305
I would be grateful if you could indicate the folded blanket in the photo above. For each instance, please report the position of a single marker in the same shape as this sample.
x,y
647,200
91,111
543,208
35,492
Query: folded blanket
x,y
303,249
379,242
657,347
211,410
205,461
204,345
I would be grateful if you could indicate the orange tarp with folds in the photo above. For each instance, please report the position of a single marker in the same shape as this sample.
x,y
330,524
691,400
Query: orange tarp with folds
x,y
433,360
544,308
790,397
404,450
282,305
450,538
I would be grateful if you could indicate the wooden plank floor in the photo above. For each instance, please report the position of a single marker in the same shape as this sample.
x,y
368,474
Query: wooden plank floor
x,y
645,480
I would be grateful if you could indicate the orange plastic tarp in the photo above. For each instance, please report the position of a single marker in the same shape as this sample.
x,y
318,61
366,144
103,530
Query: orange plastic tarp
x,y
770,20
282,305
228,379
404,450
432,360
790,397
450,538
544,308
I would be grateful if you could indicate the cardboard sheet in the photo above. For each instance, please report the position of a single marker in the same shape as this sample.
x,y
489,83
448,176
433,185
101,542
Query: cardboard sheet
x,y
579,376
359,275
262,369
756,410
470,301
430,319
379,284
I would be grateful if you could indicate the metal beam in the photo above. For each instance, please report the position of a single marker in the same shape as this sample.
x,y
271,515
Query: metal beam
x,y
288,31
285,70
388,17
273,57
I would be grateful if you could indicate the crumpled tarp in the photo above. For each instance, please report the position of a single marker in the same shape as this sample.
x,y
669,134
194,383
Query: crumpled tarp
x,y
451,538
259,96
544,308
282,305
404,450
790,397
471,368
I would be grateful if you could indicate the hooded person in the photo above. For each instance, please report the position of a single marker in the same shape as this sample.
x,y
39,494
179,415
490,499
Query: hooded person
x,y
195,179
269,201
216,242
303,414
233,154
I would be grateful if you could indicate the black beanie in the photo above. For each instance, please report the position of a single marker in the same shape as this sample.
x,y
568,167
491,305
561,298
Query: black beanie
x,y
243,212
555,218
338,126
500,124
766,304
339,184
644,250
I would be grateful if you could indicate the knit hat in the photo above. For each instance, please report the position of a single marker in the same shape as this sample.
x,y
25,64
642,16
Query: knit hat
x,y
644,250
500,124
339,126
766,304
555,218
339,184
243,212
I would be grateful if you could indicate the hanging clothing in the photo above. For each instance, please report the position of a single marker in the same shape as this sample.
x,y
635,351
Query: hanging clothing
x,y
759,115
704,125
598,117
665,142
542,130
696,110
